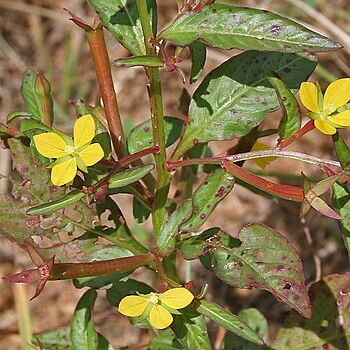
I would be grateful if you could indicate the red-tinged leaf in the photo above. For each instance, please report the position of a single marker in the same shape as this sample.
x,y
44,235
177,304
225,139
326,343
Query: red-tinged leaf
x,y
40,274
312,197
26,276
330,323
322,207
291,193
265,260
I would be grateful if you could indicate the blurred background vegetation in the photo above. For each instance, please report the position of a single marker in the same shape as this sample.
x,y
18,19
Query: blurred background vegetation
x,y
38,34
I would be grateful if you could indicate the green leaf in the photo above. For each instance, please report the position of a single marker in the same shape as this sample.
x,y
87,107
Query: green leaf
x,y
35,91
170,229
342,150
165,341
191,331
141,136
57,204
82,332
341,201
135,61
17,114
329,327
230,27
201,244
139,211
129,176
122,19
208,195
265,260
228,320
235,97
291,121
256,321
199,55
57,339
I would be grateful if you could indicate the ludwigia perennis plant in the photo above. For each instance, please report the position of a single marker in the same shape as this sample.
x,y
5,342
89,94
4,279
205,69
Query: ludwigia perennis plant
x,y
67,183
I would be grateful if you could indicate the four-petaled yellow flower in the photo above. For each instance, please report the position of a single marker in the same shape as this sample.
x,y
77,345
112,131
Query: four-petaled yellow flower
x,y
323,109
157,307
70,154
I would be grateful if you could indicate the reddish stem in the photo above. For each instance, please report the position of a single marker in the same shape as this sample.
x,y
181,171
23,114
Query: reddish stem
x,y
62,271
305,129
291,193
105,82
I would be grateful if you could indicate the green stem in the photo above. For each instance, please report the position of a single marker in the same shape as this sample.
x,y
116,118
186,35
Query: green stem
x,y
104,77
62,271
157,118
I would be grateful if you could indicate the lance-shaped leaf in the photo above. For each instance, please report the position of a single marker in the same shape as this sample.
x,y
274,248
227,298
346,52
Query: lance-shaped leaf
x,y
235,97
208,195
57,204
191,331
341,200
228,320
230,27
129,176
291,120
330,323
36,93
137,61
171,227
256,321
266,260
198,55
141,137
122,19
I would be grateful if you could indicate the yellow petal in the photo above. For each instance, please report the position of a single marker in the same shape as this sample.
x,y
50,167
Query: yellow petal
x,y
50,145
84,130
325,127
176,298
133,305
262,162
342,118
337,93
63,173
159,317
92,154
309,96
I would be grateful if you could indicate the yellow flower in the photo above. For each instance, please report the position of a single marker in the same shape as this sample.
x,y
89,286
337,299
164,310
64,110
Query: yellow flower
x,y
157,307
70,154
323,109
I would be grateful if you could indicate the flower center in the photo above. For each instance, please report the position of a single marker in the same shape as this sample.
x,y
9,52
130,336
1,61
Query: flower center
x,y
69,149
153,298
331,108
